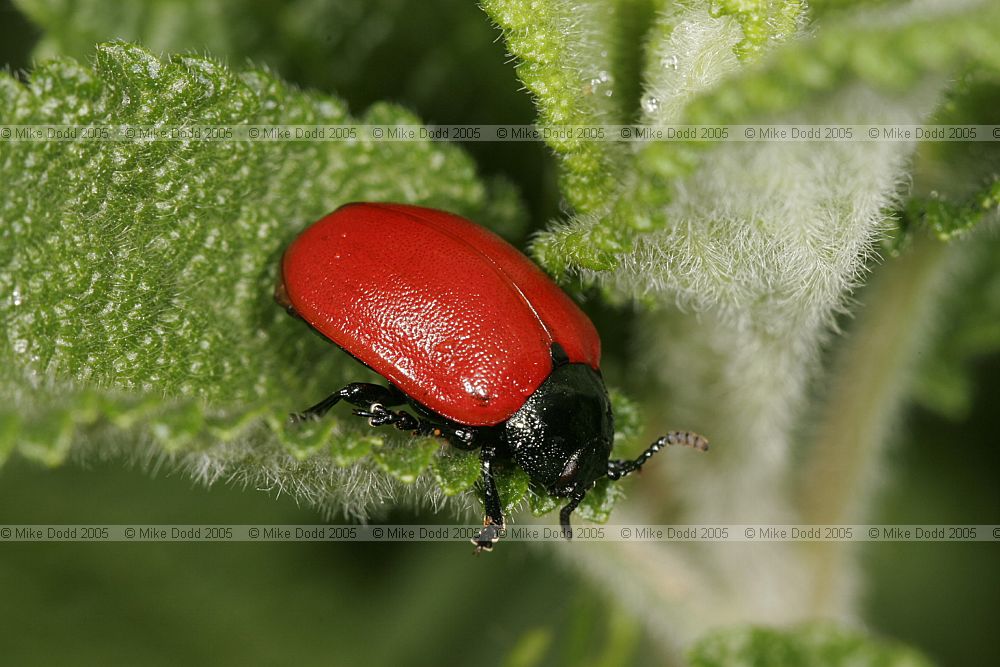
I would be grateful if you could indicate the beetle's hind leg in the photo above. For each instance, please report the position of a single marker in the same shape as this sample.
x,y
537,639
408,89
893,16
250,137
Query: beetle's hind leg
x,y
360,394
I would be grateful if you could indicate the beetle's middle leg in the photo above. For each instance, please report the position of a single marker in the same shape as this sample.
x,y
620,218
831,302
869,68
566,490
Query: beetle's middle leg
x,y
493,522
457,435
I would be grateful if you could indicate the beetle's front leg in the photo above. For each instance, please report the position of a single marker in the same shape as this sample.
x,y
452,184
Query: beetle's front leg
x,y
493,523
357,393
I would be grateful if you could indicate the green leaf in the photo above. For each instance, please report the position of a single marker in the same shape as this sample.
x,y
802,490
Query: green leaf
x,y
137,276
956,182
849,71
891,49
541,503
456,471
600,500
566,59
947,219
350,447
761,21
806,646
512,485
629,424
407,461
362,51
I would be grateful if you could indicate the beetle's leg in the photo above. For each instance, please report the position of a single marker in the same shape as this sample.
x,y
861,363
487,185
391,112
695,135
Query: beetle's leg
x,y
618,468
493,522
565,512
379,415
458,437
361,394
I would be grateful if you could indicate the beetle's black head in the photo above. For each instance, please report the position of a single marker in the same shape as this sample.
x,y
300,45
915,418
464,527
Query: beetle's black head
x,y
562,435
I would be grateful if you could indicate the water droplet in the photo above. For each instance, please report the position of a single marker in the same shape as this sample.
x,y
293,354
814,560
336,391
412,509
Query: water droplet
x,y
17,297
669,62
601,84
650,103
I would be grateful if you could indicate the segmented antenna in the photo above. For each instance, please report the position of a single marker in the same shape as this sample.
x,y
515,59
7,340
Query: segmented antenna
x,y
618,468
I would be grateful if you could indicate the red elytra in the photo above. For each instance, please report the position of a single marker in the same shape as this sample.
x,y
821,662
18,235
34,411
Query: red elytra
x,y
450,313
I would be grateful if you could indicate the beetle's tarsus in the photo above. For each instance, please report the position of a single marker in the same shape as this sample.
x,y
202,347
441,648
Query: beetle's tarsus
x,y
299,417
487,537
360,394
493,522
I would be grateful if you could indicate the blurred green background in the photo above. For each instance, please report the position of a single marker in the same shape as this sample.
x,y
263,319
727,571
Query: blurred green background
x,y
350,604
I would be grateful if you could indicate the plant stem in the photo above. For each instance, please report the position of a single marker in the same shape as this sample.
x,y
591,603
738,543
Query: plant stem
x,y
865,400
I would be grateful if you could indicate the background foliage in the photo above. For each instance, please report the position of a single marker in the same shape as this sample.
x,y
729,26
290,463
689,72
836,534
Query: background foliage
x,y
716,274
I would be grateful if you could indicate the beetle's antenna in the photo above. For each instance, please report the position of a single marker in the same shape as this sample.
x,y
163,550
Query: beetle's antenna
x,y
618,468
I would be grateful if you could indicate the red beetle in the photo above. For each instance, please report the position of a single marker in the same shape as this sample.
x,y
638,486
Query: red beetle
x,y
485,348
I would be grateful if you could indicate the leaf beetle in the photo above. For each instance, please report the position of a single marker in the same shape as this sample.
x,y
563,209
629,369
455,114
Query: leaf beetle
x,y
484,348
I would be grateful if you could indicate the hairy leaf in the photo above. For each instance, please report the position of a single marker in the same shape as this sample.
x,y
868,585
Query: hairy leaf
x,y
694,77
137,277
566,57
363,52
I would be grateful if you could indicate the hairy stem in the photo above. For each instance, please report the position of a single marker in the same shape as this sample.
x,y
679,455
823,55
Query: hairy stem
x,y
863,406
